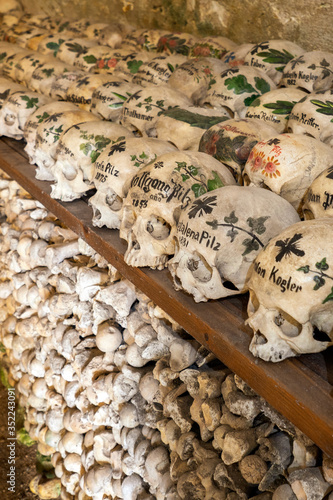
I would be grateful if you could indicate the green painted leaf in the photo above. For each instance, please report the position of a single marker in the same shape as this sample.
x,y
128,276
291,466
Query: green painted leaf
x,y
31,101
94,155
232,219
239,84
280,107
194,119
320,281
274,56
185,177
322,265
90,59
251,245
134,66
198,190
143,156
24,438
116,105
329,296
262,85
249,100
305,269
214,183
122,97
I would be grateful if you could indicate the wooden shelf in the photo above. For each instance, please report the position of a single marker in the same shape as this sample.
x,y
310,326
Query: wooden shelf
x,y
300,388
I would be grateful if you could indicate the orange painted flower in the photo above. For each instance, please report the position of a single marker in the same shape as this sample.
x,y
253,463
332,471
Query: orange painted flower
x,y
257,160
112,63
101,63
270,168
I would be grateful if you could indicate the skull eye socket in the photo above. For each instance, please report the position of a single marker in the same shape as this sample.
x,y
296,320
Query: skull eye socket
x,y
289,326
158,228
69,172
10,119
307,214
199,268
113,201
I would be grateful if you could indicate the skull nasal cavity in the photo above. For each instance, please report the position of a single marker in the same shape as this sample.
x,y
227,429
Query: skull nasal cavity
x,y
158,228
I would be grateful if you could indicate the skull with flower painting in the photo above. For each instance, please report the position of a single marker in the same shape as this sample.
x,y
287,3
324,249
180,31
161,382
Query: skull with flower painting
x,y
158,70
113,171
176,43
141,111
220,234
157,195
319,197
76,153
311,71
212,46
287,164
231,141
236,88
274,107
313,116
291,292
108,99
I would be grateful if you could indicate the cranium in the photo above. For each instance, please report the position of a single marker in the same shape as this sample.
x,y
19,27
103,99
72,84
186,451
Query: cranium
x,y
287,164
8,87
158,70
185,126
236,56
76,153
275,107
122,63
62,83
212,46
82,89
72,48
319,197
114,170
236,88
89,59
220,234
42,78
231,141
16,110
141,111
305,70
194,77
51,44
10,62
157,194
93,31
176,43
32,38
39,116
7,50
27,65
47,137
312,116
290,308
272,56
107,100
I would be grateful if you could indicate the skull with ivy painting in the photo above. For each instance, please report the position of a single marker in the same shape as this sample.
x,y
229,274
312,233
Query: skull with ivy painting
x,y
291,292
220,234
158,194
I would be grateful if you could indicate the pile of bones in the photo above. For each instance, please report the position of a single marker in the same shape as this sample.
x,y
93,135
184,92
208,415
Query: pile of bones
x,y
211,159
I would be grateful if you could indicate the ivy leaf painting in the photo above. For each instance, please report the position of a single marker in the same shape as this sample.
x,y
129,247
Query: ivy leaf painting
x,y
326,108
214,183
274,56
249,100
324,63
232,219
232,233
305,269
143,156
55,46
257,225
193,170
322,265
251,245
90,59
134,66
85,148
194,119
329,296
262,85
312,66
280,107
2,56
256,102
48,72
185,177
320,281
31,101
94,155
239,84
198,190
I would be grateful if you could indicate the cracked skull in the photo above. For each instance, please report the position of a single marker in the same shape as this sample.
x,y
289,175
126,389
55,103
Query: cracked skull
x,y
220,234
291,294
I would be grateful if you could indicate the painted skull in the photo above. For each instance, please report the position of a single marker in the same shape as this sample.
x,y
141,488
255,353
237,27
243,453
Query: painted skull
x,y
220,234
69,50
212,46
158,70
81,90
114,169
77,150
126,64
61,84
89,60
231,141
108,99
291,294
236,88
8,87
287,164
275,107
304,71
42,78
157,195
27,65
319,197
51,44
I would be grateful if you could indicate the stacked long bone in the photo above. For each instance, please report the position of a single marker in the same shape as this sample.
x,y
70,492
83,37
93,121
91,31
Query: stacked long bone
x,y
219,234
127,406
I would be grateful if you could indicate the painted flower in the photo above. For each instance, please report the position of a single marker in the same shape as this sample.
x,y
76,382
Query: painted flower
x,y
207,71
270,168
101,63
161,44
257,160
201,50
112,63
210,146
173,43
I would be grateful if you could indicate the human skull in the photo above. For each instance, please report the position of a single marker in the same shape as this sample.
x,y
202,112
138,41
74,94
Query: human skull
x,y
231,141
47,137
275,107
185,126
304,71
157,195
93,31
7,50
287,164
220,234
88,61
27,65
236,56
141,111
108,99
32,38
319,197
123,64
39,116
313,116
62,83
291,308
272,56
195,76
8,87
16,110
69,50
76,153
212,46
43,77
176,43
10,62
51,44
82,89
113,34
114,170
236,88
158,70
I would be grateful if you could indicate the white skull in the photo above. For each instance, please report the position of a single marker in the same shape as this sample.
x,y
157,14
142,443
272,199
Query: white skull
x,y
287,164
112,35
236,56
8,87
236,88
158,70
107,100
291,294
76,153
176,43
47,136
27,65
72,48
212,46
7,50
61,84
313,116
220,234
114,170
319,197
43,77
272,56
89,60
231,141
93,30
81,90
124,64
141,110
51,44
275,107
305,70
16,110
157,195
37,117
10,62
185,126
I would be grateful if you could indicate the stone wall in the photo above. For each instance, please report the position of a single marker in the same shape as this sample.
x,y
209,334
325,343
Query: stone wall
x,y
306,22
